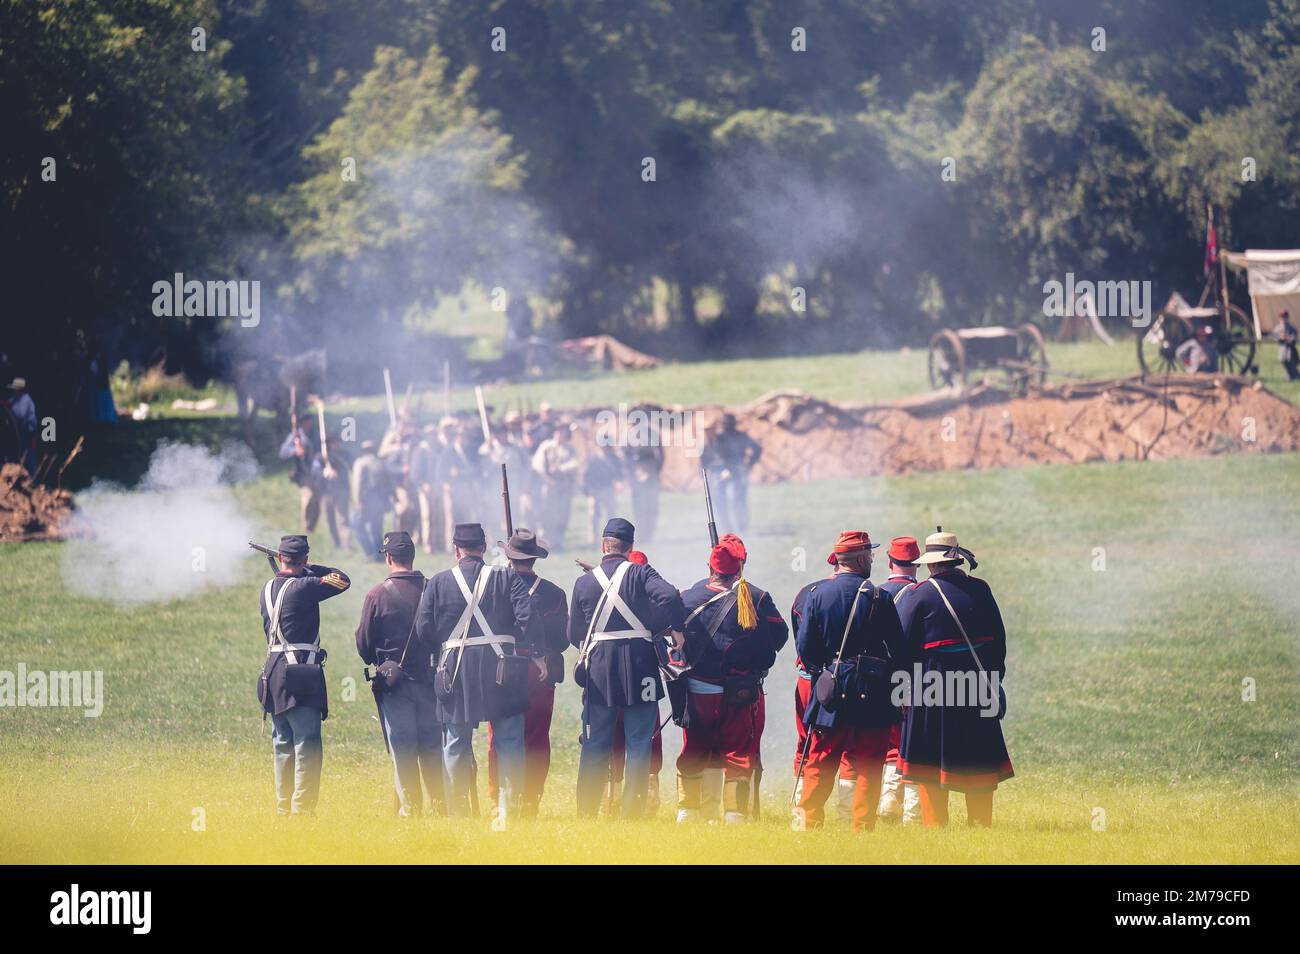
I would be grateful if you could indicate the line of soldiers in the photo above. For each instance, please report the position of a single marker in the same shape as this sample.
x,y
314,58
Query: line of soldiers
x,y
430,479
479,643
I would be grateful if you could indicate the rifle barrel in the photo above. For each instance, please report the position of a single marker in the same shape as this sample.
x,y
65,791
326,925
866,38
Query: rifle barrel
x,y
708,503
271,555
505,501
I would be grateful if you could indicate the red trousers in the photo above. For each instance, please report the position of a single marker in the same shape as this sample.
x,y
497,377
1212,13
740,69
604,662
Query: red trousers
x,y
865,750
802,693
720,736
537,747
760,722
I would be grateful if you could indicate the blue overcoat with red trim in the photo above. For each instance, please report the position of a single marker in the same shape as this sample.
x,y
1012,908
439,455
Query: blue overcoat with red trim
x,y
957,746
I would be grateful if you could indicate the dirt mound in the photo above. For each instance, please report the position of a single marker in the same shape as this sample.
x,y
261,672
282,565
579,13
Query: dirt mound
x,y
30,511
1136,418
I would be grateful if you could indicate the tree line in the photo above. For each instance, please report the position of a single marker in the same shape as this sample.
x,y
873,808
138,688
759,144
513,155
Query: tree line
x,y
670,172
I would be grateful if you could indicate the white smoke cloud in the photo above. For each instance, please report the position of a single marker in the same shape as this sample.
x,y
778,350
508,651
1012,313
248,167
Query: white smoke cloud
x,y
178,533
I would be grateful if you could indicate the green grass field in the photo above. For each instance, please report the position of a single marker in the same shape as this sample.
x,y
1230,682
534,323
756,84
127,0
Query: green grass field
x,y
1126,709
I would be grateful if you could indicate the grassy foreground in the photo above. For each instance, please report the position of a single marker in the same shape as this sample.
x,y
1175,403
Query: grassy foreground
x,y
1127,725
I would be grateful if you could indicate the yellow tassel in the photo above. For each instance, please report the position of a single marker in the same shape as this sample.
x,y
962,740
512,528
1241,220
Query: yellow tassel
x,y
746,615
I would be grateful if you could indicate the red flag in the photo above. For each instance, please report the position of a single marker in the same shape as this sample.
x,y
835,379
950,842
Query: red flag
x,y
1211,243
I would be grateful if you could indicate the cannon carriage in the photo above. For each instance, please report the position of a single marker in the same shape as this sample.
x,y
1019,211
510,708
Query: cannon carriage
x,y
1018,355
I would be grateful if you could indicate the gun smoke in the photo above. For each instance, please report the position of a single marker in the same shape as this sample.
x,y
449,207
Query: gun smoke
x,y
178,533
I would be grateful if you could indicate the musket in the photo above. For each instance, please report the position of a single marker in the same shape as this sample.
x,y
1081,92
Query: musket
x,y
388,393
270,555
482,415
324,445
708,503
803,758
505,502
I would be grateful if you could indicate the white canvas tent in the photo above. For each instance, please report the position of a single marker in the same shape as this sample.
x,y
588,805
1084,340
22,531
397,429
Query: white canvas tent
x,y
1273,278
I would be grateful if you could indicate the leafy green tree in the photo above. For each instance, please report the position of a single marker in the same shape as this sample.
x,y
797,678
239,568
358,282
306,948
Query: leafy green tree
x,y
435,201
142,131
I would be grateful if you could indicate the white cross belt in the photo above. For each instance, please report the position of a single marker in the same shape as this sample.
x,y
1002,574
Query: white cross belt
x,y
623,634
493,640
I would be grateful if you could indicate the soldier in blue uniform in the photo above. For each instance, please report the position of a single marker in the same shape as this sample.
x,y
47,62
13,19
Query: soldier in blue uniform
x,y
953,628
733,634
849,623
403,684
292,685
550,609
899,800
617,608
902,553
470,617
803,689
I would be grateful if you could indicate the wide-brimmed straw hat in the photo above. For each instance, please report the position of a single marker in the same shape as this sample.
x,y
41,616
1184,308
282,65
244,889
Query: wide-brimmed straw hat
x,y
942,547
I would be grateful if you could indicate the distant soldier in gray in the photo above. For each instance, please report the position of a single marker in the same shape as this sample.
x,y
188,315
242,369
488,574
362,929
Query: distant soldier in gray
x,y
395,451
730,455
600,476
516,455
556,464
333,479
370,498
300,448
643,463
460,473
424,478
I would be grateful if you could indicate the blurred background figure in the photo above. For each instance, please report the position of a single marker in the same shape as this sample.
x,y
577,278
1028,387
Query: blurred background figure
x,y
460,475
600,477
424,479
23,409
395,450
730,454
1285,332
370,497
643,464
1198,353
556,463
300,448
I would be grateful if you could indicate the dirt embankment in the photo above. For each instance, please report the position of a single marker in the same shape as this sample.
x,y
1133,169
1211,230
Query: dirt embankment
x,y
1135,418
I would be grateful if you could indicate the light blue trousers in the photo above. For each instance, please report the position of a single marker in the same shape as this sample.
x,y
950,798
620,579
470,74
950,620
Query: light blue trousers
x,y
639,724
410,712
458,760
295,737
